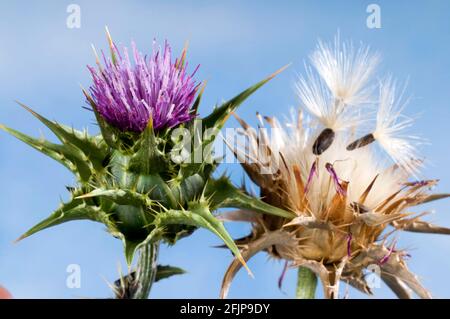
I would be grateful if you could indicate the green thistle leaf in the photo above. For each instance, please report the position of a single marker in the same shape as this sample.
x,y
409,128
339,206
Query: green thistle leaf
x,y
67,155
221,193
96,152
188,189
132,246
199,215
130,249
147,159
166,271
219,116
120,196
73,210
197,101
110,134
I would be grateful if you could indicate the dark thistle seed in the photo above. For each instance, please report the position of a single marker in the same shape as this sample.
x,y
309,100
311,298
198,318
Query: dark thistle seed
x,y
323,141
361,142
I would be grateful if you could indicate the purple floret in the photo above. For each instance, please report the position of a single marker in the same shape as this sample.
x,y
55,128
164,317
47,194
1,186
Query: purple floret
x,y
127,94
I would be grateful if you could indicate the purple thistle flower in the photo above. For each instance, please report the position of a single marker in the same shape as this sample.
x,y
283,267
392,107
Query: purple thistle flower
x,y
126,95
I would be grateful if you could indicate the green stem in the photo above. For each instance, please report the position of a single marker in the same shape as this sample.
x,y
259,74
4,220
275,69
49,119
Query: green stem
x,y
146,271
306,283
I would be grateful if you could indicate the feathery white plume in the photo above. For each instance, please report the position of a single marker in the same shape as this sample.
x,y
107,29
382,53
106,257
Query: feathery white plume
x,y
345,71
340,86
390,126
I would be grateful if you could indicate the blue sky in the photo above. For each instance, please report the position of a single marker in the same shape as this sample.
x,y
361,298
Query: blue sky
x,y
42,63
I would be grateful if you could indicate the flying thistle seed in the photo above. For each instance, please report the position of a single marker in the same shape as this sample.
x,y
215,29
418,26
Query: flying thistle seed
x,y
391,126
338,84
323,141
361,142
127,94
345,71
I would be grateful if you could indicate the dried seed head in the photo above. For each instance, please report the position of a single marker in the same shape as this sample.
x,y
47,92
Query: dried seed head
x,y
344,196
344,200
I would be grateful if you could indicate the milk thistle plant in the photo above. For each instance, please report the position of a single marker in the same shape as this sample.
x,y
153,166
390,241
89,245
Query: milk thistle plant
x,y
347,169
141,176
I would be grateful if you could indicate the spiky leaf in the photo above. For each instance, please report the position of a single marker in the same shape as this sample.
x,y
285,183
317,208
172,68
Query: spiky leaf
x,y
73,210
67,155
219,116
147,159
166,271
222,193
132,246
120,196
110,134
199,215
93,150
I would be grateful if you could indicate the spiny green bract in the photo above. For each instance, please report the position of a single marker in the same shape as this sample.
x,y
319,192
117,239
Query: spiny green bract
x,y
128,182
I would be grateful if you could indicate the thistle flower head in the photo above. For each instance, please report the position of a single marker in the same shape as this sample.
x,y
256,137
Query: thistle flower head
x,y
128,94
348,199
